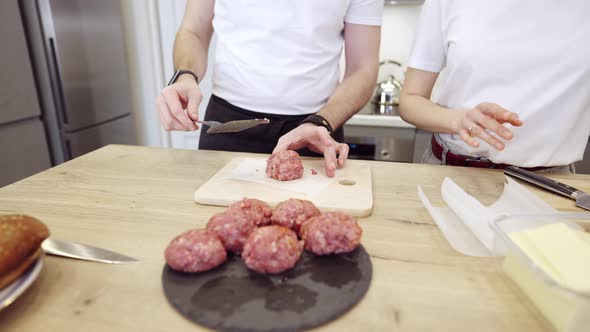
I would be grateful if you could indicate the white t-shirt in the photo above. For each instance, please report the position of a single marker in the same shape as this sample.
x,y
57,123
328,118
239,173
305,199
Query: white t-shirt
x,y
531,57
282,56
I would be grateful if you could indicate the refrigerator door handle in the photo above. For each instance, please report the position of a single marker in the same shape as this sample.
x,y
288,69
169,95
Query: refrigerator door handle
x,y
48,30
58,93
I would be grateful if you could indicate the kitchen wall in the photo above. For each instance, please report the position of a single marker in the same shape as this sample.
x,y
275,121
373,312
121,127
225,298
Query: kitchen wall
x,y
142,34
397,33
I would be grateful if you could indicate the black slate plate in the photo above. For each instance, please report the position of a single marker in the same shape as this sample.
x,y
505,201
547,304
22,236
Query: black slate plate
x,y
233,298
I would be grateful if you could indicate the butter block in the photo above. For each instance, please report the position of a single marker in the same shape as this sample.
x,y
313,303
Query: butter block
x,y
528,247
564,311
561,252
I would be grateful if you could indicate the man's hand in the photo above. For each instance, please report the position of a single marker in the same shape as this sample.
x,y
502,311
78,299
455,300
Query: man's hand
x,y
318,140
178,104
483,121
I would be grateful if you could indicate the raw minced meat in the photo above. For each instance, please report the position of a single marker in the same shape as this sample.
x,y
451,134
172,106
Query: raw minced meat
x,y
293,213
272,249
285,165
195,250
331,233
253,210
232,229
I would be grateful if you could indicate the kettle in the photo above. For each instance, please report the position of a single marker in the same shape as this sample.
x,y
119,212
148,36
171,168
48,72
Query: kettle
x,y
387,92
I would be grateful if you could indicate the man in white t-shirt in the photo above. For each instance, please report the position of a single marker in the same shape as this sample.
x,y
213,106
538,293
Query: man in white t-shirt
x,y
276,59
516,82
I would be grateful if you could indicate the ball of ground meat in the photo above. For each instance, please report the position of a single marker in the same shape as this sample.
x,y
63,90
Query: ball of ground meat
x,y
284,165
195,250
253,210
293,213
272,249
232,229
331,233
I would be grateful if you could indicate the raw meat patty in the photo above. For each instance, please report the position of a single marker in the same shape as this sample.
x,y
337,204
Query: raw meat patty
x,y
331,233
195,250
253,210
293,213
284,165
232,229
272,249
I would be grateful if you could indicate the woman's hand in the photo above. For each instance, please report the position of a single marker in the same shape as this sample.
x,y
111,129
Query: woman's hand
x,y
485,121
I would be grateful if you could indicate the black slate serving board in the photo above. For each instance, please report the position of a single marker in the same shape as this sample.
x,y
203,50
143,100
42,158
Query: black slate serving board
x,y
233,298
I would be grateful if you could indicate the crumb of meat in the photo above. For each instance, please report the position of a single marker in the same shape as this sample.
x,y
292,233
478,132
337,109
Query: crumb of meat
x,y
314,172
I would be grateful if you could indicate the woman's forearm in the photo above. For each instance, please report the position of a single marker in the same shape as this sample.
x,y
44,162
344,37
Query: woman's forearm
x,y
424,114
417,108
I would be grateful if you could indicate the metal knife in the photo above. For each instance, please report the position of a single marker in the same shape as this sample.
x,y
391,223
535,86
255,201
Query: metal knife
x,y
235,126
582,199
85,252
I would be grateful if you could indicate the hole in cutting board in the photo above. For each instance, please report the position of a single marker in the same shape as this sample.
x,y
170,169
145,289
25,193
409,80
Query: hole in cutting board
x,y
347,182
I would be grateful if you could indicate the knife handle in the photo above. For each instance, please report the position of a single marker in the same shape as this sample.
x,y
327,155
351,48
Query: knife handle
x,y
541,181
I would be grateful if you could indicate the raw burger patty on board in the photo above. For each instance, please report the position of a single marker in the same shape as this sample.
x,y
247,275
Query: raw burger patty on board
x,y
292,213
195,250
331,233
284,165
254,210
232,229
272,249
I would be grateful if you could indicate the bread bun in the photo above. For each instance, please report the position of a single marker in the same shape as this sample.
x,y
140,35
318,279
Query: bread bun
x,y
20,244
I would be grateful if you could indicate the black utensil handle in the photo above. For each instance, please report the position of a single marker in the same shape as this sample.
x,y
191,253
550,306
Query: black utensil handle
x,y
541,181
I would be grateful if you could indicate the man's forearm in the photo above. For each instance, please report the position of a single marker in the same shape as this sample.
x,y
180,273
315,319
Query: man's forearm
x,y
190,52
352,94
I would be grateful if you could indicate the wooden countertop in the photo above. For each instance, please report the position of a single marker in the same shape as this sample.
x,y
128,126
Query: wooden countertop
x,y
135,199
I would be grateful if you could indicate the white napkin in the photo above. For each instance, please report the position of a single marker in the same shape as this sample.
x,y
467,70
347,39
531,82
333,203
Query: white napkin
x,y
466,223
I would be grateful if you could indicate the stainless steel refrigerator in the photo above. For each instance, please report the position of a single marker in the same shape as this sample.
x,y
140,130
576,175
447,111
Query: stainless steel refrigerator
x,y
78,55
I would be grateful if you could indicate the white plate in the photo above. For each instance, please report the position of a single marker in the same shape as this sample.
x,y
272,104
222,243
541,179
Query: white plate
x,y
11,292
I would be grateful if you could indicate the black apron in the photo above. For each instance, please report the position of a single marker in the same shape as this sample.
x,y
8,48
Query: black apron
x,y
260,139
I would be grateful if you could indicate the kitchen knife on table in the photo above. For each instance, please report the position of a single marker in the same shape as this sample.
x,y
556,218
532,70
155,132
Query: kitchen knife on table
x,y
582,199
84,252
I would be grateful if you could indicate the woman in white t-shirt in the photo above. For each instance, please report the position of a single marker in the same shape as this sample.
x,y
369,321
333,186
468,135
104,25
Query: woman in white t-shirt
x,y
515,89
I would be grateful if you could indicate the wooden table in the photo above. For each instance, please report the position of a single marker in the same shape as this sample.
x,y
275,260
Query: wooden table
x,y
134,200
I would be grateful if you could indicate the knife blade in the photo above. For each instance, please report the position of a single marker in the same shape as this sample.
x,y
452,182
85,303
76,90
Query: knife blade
x,y
582,199
235,126
84,252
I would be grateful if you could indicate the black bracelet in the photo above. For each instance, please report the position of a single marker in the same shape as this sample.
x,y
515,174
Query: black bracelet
x,y
179,72
319,120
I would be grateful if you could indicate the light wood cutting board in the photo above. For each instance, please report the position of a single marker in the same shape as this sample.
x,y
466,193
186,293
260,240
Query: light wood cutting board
x,y
350,191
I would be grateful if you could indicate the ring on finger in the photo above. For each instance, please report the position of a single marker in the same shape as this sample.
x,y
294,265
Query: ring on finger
x,y
470,130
